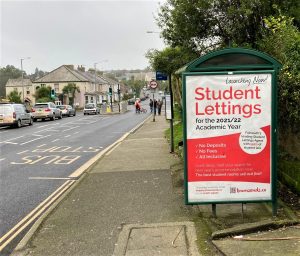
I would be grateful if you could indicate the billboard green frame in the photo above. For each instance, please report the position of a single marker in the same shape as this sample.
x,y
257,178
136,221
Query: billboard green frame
x,y
235,61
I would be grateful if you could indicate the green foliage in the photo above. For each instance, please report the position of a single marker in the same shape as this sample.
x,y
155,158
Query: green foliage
x,y
209,24
71,88
43,94
285,36
170,59
289,173
135,85
5,74
15,96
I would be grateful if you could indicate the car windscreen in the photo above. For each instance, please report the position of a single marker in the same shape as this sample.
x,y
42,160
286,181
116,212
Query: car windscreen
x,y
61,107
5,110
41,106
89,106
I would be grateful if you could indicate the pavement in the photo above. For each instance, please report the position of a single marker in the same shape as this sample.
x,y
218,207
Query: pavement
x,y
130,202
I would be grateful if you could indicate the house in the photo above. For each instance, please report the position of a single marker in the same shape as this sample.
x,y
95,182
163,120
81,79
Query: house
x,y
93,88
23,86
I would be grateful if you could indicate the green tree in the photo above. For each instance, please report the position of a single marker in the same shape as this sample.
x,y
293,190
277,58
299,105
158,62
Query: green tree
x,y
205,25
168,61
285,36
7,73
43,94
15,96
71,88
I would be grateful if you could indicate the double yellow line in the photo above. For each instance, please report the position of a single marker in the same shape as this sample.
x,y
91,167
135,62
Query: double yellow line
x,y
34,214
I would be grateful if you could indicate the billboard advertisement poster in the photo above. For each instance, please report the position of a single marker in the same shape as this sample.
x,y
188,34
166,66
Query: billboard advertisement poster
x,y
168,106
228,119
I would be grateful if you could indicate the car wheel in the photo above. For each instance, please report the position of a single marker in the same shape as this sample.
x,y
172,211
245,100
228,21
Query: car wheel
x,y
18,124
31,121
52,118
74,114
34,119
60,117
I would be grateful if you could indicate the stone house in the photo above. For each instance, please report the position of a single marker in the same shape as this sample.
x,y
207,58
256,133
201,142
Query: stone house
x,y
22,86
93,88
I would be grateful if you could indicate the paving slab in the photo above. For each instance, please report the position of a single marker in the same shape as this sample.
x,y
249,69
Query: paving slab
x,y
168,239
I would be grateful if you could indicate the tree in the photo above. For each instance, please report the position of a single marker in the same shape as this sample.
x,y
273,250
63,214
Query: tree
x,y
209,24
43,94
7,73
15,96
170,60
71,88
285,36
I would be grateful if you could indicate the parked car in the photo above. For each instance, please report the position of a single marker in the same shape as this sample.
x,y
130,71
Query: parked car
x,y
14,115
91,108
67,110
46,110
131,102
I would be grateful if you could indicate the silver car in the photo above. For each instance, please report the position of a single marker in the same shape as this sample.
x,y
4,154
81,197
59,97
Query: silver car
x,y
46,110
91,108
14,115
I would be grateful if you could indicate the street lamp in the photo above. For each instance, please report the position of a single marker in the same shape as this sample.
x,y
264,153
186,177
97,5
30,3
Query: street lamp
x,y
27,58
95,64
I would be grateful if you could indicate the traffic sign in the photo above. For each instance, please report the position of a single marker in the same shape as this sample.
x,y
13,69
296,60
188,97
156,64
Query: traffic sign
x,y
161,76
153,84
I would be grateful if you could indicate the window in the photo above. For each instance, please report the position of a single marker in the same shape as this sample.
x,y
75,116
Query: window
x,y
86,99
92,99
56,88
27,92
43,85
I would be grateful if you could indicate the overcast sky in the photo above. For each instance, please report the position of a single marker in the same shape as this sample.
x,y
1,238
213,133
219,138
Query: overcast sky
x,y
54,33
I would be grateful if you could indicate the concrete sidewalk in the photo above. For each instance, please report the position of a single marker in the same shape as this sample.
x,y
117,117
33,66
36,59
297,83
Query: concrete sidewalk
x,y
130,203
124,205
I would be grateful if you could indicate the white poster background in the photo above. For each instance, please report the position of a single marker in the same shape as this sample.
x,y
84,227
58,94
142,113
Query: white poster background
x,y
214,191
218,82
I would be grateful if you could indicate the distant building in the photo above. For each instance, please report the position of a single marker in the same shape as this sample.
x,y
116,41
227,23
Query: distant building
x,y
21,86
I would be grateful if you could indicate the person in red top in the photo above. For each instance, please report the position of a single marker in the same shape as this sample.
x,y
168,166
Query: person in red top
x,y
137,106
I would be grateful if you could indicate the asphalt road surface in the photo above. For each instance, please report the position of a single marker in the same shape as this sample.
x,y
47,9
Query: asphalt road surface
x,y
37,161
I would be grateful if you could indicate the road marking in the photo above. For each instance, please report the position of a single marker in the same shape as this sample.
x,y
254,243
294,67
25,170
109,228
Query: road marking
x,y
2,159
41,145
86,165
22,152
67,136
75,132
70,128
9,141
34,214
55,140
35,139
48,178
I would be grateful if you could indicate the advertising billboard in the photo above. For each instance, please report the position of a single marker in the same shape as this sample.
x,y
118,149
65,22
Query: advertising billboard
x,y
228,137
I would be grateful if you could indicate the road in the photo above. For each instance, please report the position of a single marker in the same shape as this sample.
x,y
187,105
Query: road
x,y
42,159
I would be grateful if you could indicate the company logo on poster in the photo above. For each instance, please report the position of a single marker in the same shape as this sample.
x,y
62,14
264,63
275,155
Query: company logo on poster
x,y
228,133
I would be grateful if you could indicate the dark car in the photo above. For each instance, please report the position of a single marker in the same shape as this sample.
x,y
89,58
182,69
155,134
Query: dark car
x,y
131,102
14,115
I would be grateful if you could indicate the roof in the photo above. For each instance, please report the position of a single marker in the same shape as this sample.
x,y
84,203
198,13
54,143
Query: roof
x,y
62,74
18,82
230,59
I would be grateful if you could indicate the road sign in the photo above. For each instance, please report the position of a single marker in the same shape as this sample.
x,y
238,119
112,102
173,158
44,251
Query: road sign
x,y
153,84
161,76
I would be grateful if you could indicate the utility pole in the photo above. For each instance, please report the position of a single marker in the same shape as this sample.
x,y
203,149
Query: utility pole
x,y
23,77
119,97
172,114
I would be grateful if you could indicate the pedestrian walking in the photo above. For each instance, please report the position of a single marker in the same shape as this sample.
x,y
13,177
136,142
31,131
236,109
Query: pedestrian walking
x,y
151,105
154,106
159,106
